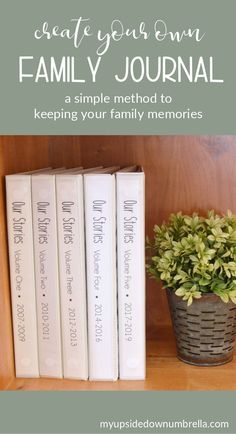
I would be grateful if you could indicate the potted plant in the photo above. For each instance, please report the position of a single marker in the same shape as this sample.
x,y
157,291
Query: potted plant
x,y
195,258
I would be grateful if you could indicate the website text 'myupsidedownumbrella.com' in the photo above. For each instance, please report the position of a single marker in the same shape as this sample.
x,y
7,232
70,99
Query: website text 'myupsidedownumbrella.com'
x,y
151,424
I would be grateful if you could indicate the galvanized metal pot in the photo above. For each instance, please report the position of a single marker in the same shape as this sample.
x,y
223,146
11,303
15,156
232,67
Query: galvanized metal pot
x,y
205,331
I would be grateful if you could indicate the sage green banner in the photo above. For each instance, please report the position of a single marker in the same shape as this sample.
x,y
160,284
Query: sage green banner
x,y
124,67
117,412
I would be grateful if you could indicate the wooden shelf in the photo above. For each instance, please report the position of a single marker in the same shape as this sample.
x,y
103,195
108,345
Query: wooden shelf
x,y
188,173
164,372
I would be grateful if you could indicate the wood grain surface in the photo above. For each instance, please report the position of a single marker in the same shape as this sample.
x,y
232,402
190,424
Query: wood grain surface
x,y
164,372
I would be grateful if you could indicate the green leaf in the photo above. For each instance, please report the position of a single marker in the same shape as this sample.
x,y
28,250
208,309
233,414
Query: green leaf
x,y
204,282
177,277
193,258
217,264
190,300
224,297
180,291
226,254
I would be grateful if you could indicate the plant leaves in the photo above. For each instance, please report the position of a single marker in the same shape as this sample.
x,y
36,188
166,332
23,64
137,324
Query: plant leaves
x,y
195,255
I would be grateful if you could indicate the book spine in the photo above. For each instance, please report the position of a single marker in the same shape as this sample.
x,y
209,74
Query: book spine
x,y
20,236
101,276
46,271
131,275
70,213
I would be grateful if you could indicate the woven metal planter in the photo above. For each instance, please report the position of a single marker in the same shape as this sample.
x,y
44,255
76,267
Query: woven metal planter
x,y
205,331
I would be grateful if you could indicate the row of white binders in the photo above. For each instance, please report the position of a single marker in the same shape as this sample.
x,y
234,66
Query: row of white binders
x,y
77,268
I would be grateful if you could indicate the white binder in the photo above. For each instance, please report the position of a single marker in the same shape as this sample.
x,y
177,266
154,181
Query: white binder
x,y
46,272
100,220
70,214
131,273
22,274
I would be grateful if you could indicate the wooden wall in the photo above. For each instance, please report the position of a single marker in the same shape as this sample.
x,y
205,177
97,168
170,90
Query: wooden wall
x,y
185,173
